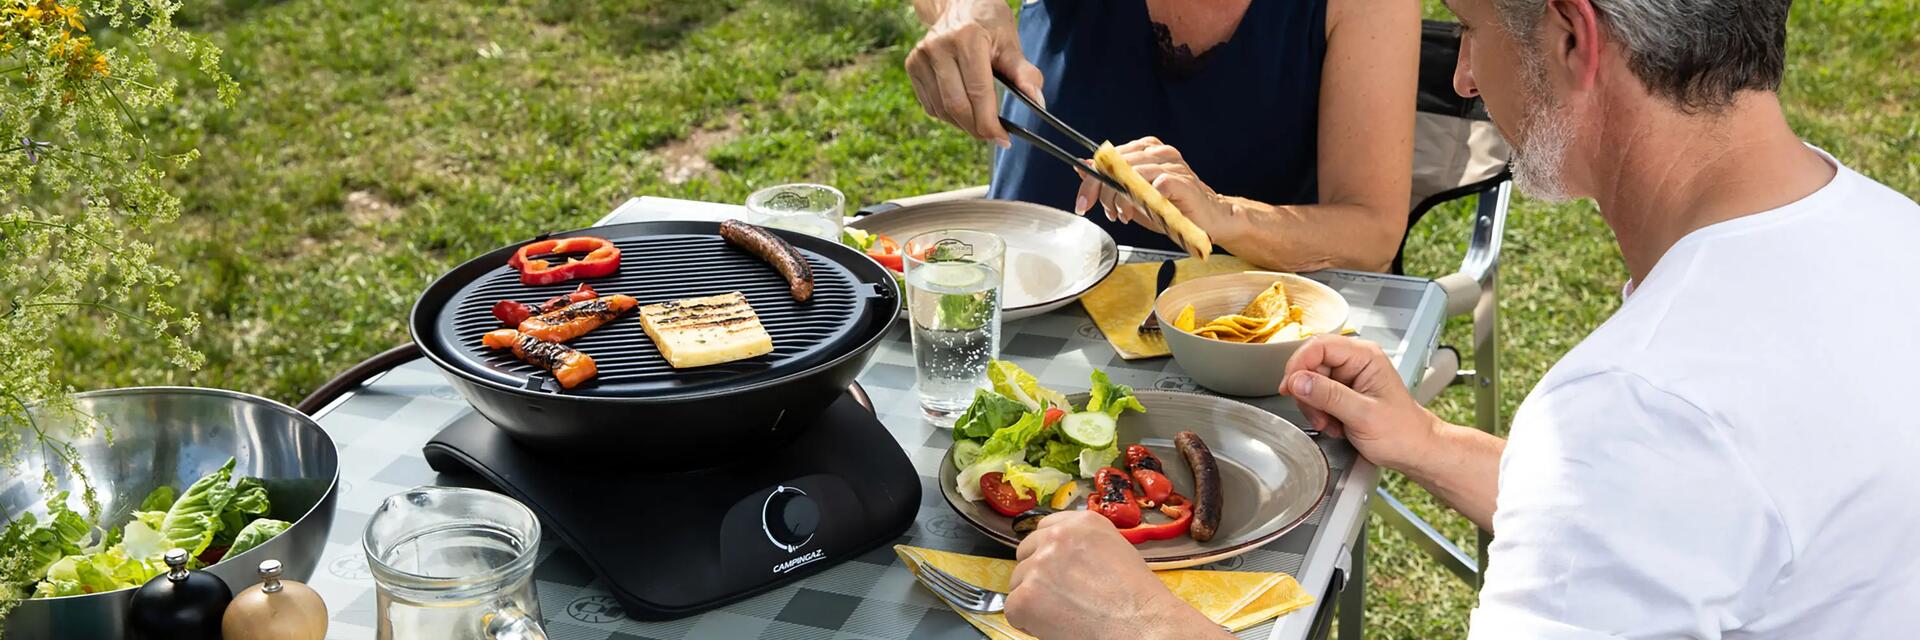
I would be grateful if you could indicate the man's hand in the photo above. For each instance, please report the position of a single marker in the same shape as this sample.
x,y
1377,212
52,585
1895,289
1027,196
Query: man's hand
x,y
952,67
1078,578
1349,388
1161,166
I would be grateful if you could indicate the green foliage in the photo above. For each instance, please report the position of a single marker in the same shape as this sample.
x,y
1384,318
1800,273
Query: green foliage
x,y
81,185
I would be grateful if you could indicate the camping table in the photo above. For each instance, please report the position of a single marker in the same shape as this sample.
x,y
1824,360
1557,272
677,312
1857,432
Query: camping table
x,y
381,426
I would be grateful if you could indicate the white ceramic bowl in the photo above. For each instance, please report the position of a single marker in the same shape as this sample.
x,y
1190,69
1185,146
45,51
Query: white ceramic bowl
x,y
1240,369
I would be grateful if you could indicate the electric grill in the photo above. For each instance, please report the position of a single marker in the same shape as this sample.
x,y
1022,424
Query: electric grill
x,y
638,407
684,489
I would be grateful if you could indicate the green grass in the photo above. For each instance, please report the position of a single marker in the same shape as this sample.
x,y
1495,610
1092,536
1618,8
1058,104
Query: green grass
x,y
377,144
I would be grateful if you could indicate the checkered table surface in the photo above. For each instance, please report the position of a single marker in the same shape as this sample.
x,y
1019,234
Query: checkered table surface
x,y
381,427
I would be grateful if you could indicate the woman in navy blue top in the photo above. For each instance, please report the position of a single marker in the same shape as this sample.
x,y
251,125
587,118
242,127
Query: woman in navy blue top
x,y
1281,127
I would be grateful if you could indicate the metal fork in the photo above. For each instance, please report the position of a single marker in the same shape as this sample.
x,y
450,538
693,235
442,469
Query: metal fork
x,y
961,594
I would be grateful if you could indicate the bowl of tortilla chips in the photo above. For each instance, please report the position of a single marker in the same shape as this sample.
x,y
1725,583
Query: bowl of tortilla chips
x,y
1233,332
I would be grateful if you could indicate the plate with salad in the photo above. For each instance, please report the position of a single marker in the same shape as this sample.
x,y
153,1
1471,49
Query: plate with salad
x,y
1053,257
1188,478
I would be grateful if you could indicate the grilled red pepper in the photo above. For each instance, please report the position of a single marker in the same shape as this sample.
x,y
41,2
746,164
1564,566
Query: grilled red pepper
x,y
513,313
1112,497
1149,475
1177,507
602,259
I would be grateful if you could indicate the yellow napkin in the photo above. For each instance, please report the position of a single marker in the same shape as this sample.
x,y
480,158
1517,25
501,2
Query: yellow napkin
x,y
1119,303
1236,600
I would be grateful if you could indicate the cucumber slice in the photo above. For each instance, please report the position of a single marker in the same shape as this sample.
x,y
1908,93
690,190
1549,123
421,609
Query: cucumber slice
x,y
965,452
1090,429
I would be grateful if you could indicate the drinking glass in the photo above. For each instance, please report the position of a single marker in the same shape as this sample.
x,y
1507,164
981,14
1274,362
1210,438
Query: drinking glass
x,y
813,209
953,298
455,564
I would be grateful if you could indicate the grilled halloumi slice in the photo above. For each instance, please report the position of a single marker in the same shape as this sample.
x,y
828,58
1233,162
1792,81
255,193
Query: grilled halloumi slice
x,y
697,332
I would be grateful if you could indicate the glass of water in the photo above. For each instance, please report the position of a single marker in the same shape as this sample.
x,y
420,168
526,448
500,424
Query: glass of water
x,y
953,299
813,209
454,563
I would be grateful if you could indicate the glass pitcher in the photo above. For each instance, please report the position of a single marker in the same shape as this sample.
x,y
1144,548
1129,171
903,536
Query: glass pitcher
x,y
454,563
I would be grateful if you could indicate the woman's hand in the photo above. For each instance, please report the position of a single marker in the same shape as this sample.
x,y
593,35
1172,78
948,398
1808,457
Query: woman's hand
x,y
1162,167
1077,578
952,67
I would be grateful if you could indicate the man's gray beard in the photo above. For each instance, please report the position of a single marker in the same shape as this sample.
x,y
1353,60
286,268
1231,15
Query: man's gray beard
x,y
1545,132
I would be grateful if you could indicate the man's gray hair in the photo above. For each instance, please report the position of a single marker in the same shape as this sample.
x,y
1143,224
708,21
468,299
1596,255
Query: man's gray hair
x,y
1697,53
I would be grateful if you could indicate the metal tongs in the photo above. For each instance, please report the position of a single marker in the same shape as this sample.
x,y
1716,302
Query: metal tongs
x,y
1053,149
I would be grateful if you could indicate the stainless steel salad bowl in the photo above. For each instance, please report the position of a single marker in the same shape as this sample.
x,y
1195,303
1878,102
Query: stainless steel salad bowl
x,y
173,436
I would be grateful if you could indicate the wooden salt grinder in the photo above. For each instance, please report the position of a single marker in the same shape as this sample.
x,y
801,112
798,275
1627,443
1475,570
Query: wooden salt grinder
x,y
275,609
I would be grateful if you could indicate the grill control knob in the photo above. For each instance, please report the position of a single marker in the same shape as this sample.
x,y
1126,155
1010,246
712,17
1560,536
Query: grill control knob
x,y
790,518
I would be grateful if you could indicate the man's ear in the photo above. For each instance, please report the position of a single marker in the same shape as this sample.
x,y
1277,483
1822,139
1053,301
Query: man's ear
x,y
1571,40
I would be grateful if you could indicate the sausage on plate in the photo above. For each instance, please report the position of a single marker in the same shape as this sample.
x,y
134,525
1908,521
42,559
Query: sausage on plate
x,y
777,252
1206,484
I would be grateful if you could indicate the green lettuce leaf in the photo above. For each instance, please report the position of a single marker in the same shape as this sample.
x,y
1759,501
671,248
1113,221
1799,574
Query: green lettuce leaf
x,y
142,538
1062,455
1013,382
257,533
989,413
160,499
249,503
1111,399
194,519
1035,482
44,543
1091,460
1007,445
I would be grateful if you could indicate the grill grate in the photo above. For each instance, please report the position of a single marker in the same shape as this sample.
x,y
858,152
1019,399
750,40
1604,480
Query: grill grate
x,y
660,268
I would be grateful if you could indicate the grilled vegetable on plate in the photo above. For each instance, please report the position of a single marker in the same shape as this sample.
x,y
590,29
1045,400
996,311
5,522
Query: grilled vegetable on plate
x,y
1141,459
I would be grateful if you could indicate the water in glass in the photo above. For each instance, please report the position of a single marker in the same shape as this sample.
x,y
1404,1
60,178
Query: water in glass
x,y
953,300
813,209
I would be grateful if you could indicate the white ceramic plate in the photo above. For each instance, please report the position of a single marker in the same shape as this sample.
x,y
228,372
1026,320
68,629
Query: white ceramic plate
x,y
1272,475
1052,256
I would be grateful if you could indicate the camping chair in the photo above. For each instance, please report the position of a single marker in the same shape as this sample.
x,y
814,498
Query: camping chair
x,y
1457,154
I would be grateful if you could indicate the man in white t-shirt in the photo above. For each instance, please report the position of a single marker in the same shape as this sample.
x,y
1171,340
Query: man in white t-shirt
x,y
1734,454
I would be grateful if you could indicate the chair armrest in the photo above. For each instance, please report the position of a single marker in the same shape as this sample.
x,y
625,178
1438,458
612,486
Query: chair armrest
x,y
969,193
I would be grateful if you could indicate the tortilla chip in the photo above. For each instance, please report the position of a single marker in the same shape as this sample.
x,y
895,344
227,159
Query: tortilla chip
x,y
1184,321
1272,303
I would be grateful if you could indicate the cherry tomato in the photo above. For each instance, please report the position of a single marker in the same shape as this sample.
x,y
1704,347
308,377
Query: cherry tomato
x,y
1052,416
1154,486
887,252
1003,497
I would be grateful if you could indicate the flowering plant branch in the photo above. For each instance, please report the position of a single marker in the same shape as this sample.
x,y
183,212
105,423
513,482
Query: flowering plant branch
x,y
80,184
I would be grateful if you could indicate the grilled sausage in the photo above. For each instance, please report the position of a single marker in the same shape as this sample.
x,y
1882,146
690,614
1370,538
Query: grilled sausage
x,y
1206,485
784,258
575,320
568,365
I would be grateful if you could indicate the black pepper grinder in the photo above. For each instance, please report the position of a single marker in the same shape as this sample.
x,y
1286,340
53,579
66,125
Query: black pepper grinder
x,y
179,604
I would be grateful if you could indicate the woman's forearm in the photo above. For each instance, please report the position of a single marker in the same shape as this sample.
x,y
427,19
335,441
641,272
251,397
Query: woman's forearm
x,y
1310,237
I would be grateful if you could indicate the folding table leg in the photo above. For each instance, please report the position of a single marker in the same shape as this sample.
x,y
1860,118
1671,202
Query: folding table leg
x,y
1353,599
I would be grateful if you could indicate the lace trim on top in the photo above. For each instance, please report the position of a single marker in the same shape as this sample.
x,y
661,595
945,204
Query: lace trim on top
x,y
1179,60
